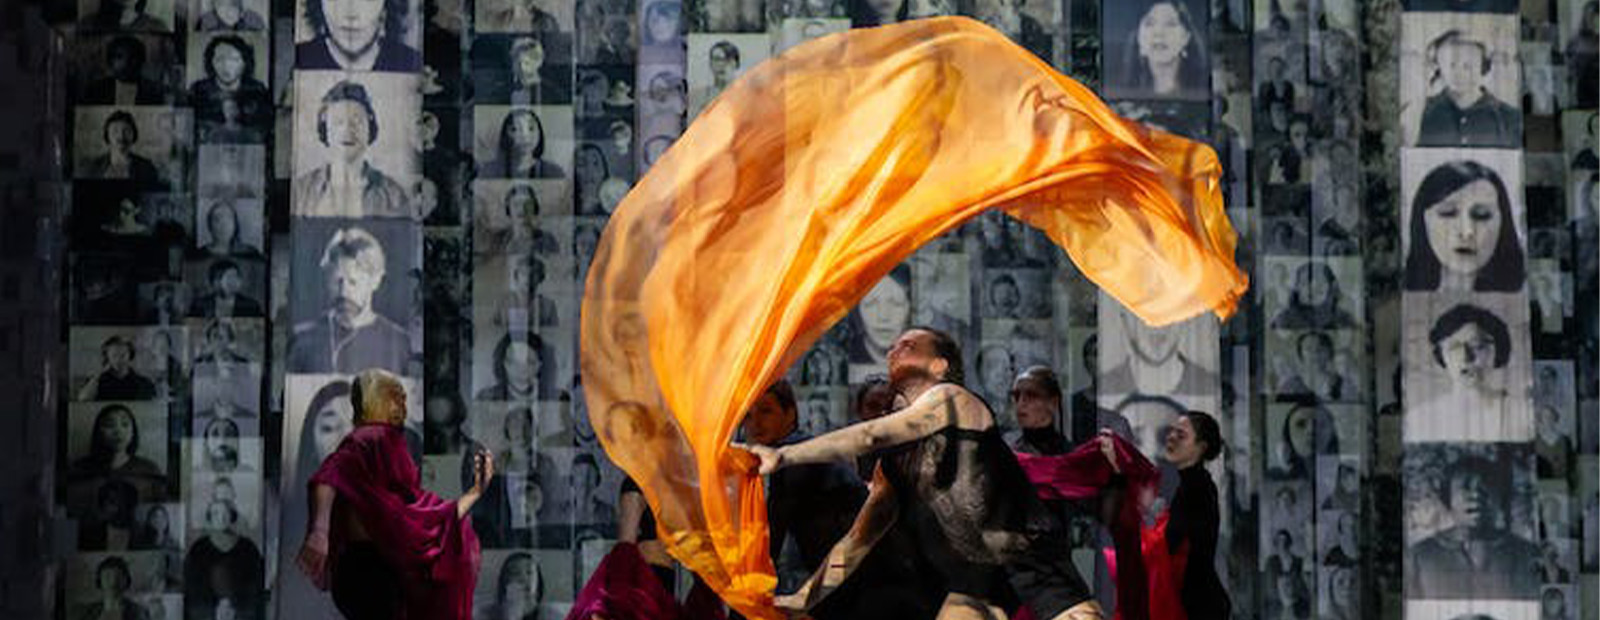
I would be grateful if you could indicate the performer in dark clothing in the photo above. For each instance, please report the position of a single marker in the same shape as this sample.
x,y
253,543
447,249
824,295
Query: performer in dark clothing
x,y
947,473
1194,515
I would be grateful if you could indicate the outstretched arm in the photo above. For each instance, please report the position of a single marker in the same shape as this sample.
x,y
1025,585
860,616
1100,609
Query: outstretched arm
x,y
313,556
877,514
939,408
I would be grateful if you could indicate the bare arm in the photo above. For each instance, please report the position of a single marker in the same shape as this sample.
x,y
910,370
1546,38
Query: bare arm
x,y
939,408
313,558
876,516
630,513
482,473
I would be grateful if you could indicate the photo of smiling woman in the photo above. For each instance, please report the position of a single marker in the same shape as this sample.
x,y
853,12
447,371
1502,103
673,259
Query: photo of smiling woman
x,y
1156,49
1463,225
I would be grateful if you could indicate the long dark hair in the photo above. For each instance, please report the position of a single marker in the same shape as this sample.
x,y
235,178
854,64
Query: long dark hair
x,y
1504,272
503,581
101,454
544,383
1208,431
245,52
505,146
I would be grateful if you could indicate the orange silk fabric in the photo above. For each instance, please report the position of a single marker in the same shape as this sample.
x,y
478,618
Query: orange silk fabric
x,y
800,187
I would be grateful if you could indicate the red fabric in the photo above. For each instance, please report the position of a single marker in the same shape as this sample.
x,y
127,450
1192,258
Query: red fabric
x,y
434,551
1166,572
624,587
1143,582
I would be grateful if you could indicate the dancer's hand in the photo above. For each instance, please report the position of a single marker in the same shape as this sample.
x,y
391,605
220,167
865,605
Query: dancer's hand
x,y
767,458
482,471
1108,447
313,558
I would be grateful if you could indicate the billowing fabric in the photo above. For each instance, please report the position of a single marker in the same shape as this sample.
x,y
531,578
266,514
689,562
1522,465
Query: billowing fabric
x,y
800,187
434,551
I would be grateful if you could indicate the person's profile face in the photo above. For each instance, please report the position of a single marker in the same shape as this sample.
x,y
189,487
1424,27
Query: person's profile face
x,y
721,62
1468,354
1461,67
1470,501
910,356
353,24
885,311
767,421
333,422
1036,406
1162,35
227,63
351,286
348,130
1464,227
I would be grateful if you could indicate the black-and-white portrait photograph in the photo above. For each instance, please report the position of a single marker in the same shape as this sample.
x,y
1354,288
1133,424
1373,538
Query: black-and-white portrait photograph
x,y
122,585
1157,49
224,568
230,227
877,320
602,173
661,32
822,409
227,80
234,170
663,103
542,16
119,214
126,15
134,143
1463,228
1340,592
1033,24
524,584
359,35
1315,365
1580,41
1177,362
221,446
1015,294
1466,498
518,365
113,363
936,303
523,142
1467,369
1558,602
1460,83
224,286
794,31
124,69
726,15
508,216
523,291
1472,609
362,161
1300,433
354,307
230,15
115,444
522,69
610,32
1324,294
227,392
716,60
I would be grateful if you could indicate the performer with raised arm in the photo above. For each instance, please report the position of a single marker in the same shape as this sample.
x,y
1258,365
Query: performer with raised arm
x,y
948,472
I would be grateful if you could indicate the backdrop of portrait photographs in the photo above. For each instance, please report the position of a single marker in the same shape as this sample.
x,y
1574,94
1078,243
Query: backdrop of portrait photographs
x,y
715,60
226,286
1467,369
523,142
230,15
1462,221
226,226
544,16
354,306
1479,493
528,69
1157,49
359,157
232,170
370,36
1179,362
1460,82
135,581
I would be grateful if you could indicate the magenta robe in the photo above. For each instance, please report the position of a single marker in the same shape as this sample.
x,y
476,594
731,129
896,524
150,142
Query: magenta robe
x,y
434,551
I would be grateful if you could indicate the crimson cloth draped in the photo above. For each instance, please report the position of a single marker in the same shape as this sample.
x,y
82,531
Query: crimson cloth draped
x,y
624,587
804,183
434,551
1149,579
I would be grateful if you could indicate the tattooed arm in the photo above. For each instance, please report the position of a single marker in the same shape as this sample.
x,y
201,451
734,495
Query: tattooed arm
x,y
941,406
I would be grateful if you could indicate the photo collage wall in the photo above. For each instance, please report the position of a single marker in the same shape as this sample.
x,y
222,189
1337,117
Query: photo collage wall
x,y
271,195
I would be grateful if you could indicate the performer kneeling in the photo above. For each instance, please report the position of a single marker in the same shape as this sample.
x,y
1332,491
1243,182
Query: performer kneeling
x,y
948,473
389,548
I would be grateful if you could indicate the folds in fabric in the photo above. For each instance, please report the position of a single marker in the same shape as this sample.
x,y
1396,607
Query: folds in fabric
x,y
434,550
801,186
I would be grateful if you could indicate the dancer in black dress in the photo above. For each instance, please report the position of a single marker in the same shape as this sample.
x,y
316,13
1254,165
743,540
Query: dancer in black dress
x,y
948,473
1193,518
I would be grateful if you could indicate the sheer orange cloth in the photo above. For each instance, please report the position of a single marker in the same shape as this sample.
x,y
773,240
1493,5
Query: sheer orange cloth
x,y
800,187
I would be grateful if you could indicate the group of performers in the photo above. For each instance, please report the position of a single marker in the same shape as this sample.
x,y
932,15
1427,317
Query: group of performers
x,y
953,522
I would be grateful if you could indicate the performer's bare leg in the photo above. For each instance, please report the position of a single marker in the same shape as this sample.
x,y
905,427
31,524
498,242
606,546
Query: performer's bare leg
x,y
959,606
